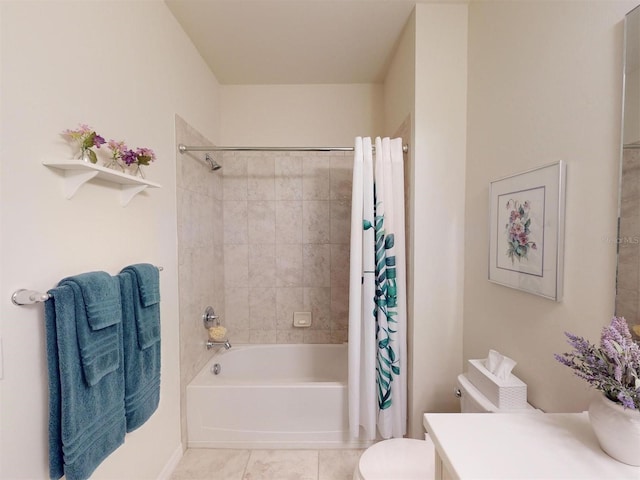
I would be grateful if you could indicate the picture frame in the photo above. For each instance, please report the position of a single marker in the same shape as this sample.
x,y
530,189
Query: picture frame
x,y
526,230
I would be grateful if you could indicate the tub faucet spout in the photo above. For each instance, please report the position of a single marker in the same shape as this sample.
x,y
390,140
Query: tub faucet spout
x,y
217,344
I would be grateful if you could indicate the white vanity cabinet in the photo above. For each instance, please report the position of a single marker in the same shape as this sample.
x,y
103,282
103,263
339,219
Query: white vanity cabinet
x,y
520,446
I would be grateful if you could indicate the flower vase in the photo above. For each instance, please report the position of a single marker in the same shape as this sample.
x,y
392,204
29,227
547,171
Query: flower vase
x,y
86,155
115,165
138,172
617,429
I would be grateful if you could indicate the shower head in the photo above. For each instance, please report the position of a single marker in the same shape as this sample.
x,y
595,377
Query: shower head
x,y
214,165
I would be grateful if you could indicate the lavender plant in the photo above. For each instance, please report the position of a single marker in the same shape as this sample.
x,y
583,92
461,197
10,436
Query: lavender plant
x,y
613,367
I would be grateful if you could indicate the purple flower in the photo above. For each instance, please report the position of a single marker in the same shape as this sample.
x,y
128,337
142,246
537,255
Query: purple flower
x,y
613,367
129,157
98,140
626,400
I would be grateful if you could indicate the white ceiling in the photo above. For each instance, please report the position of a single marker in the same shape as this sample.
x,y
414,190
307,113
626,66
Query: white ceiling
x,y
294,41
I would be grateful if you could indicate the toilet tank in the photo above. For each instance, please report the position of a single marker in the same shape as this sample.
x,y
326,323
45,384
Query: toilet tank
x,y
472,401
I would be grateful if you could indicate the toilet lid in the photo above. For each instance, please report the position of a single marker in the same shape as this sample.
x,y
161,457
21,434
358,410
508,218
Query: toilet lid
x,y
398,459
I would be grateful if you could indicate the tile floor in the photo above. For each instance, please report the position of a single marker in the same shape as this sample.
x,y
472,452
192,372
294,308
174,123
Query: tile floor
x,y
226,464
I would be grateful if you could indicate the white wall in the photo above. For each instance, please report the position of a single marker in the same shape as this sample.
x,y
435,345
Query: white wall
x,y
399,84
399,109
545,84
300,115
125,68
439,166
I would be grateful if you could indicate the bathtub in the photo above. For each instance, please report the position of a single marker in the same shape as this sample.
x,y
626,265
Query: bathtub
x,y
271,396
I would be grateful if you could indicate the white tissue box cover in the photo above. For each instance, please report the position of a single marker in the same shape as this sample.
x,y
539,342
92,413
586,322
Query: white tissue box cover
x,y
510,393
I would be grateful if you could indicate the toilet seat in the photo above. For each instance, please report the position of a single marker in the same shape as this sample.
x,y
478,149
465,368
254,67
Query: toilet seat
x,y
397,459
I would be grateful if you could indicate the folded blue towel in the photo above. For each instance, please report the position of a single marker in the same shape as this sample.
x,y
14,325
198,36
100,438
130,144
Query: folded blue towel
x,y
146,293
141,344
101,295
86,423
148,282
97,294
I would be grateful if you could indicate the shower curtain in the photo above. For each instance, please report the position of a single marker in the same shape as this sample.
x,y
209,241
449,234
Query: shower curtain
x,y
377,292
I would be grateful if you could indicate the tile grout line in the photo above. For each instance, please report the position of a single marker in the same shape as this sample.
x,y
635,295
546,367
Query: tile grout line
x,y
246,464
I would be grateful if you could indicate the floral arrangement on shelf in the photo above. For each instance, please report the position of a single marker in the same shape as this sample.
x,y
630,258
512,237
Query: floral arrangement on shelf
x,y
87,138
613,367
517,229
117,150
121,155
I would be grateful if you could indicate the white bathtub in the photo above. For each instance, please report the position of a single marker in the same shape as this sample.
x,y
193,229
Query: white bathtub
x,y
271,396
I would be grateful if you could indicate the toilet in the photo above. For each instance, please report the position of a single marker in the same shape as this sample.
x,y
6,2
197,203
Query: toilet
x,y
411,459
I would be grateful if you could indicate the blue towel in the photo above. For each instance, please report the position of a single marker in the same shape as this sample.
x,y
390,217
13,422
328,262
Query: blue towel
x,y
141,335
146,285
98,295
86,423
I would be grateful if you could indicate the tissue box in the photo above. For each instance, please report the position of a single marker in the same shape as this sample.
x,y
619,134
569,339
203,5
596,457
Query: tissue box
x,y
510,393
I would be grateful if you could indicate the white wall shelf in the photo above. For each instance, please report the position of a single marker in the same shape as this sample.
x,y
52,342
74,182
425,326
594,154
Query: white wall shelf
x,y
77,173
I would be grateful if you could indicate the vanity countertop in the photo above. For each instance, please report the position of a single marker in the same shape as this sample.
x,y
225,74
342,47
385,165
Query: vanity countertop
x,y
520,446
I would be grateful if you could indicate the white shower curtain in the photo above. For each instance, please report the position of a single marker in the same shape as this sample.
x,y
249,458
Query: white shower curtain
x,y
377,292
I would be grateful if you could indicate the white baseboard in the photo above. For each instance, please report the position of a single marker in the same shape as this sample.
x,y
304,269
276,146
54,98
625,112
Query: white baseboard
x,y
171,464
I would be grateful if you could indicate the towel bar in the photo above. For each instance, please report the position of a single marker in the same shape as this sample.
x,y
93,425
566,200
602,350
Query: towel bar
x,y
29,297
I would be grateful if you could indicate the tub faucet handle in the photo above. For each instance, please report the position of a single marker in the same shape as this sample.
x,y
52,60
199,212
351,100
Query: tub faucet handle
x,y
209,318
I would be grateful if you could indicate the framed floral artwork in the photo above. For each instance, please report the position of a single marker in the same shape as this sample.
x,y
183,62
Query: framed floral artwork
x,y
526,230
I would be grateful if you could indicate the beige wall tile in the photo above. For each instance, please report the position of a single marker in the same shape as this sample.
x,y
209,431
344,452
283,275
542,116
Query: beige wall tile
x,y
341,176
316,178
234,177
316,261
317,300
235,222
262,308
340,221
262,336
289,221
290,336
288,265
340,258
262,265
315,221
288,178
288,300
317,336
236,302
262,222
261,178
236,266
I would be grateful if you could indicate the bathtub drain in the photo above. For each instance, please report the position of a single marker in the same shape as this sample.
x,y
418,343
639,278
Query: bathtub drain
x,y
216,368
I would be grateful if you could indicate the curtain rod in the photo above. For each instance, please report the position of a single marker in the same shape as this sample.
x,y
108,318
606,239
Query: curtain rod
x,y
184,148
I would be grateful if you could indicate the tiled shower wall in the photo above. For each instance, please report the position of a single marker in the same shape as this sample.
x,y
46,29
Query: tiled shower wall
x,y
200,254
286,240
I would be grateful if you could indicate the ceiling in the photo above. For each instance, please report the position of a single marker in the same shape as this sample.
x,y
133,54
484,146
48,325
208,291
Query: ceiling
x,y
294,41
